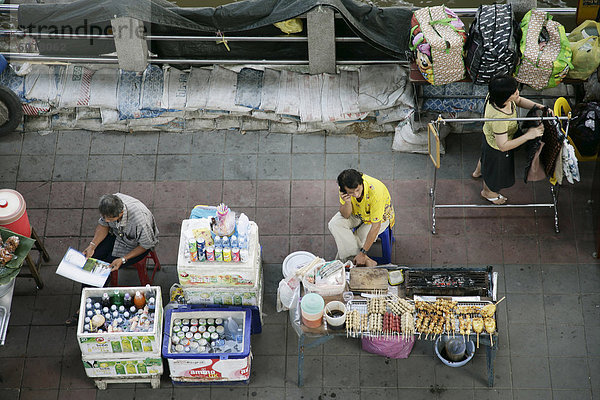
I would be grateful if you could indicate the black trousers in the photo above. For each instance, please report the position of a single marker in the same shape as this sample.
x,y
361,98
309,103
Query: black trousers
x,y
104,252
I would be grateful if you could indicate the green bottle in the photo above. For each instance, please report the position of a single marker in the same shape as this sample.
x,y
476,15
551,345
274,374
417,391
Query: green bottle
x,y
131,368
117,298
120,369
126,345
137,345
116,346
142,368
146,344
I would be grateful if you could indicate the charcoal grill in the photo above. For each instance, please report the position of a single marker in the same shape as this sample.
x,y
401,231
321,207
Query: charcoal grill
x,y
449,282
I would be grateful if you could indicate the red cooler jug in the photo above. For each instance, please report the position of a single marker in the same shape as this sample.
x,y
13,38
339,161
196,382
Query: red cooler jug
x,y
13,212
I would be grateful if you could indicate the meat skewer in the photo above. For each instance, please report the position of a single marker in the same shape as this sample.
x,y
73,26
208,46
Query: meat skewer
x,y
478,327
490,327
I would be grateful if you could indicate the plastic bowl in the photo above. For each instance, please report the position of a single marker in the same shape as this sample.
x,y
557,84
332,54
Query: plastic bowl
x,y
335,322
440,351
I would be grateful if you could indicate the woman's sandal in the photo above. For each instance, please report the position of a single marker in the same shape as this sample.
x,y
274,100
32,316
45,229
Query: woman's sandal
x,y
495,199
72,321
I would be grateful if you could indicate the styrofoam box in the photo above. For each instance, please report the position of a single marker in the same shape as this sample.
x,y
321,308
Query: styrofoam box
x,y
111,345
218,274
208,367
114,367
227,296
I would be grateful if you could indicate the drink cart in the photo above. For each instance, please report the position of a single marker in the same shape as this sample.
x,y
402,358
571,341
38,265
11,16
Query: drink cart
x,y
219,282
131,351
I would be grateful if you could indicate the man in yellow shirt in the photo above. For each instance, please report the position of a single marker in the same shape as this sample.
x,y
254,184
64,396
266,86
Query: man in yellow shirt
x,y
365,204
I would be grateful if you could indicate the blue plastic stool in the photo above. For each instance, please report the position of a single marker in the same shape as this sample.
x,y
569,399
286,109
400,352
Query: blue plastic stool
x,y
387,239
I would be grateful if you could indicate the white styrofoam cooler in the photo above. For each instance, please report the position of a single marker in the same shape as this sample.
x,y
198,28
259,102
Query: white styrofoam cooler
x,y
227,296
208,367
218,274
116,345
102,367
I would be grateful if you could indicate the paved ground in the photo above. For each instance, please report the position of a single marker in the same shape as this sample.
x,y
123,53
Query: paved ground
x,y
549,324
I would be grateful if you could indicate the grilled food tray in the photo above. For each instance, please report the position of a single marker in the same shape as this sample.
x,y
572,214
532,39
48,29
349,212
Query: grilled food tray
x,y
361,307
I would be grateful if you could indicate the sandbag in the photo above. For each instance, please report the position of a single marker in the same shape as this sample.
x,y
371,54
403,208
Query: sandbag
x,y
546,51
438,37
585,45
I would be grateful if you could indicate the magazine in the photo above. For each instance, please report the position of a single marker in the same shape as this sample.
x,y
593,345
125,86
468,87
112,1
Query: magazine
x,y
89,271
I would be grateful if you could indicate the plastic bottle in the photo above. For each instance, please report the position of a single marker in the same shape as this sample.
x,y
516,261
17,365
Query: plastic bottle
x,y
117,298
243,242
231,328
217,241
139,300
234,241
225,242
105,300
127,301
151,304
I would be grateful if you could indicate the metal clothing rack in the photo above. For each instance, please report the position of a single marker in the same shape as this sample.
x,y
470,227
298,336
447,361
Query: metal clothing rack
x,y
554,189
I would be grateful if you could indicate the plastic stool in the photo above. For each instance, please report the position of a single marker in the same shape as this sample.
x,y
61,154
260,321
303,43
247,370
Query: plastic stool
x,y
387,238
141,267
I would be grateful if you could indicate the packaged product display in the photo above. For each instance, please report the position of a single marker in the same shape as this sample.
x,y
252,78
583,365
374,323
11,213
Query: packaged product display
x,y
121,321
229,261
207,344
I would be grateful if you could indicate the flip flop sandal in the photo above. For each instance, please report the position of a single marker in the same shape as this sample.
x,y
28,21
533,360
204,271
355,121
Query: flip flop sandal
x,y
493,199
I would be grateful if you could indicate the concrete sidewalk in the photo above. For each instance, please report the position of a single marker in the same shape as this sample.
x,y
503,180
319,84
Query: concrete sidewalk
x,y
549,344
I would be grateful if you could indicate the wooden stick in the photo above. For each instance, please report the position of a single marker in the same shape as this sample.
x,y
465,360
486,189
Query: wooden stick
x,y
498,302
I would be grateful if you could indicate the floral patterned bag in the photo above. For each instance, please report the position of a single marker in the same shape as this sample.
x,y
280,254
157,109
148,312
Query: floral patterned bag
x,y
546,52
438,37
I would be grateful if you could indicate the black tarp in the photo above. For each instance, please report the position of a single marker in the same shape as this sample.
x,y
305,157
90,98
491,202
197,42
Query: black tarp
x,y
383,29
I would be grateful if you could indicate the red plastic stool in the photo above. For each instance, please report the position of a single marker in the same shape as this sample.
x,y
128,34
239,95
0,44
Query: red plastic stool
x,y
142,270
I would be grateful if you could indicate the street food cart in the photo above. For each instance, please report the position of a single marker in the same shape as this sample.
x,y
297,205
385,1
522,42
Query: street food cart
x,y
430,304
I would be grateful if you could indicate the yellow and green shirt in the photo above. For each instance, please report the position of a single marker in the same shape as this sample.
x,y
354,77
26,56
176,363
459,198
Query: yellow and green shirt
x,y
376,203
493,128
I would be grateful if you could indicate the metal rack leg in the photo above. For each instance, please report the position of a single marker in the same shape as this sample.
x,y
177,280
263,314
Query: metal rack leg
x,y
301,347
554,191
432,194
490,355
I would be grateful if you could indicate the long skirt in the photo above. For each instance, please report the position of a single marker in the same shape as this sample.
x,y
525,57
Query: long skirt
x,y
497,167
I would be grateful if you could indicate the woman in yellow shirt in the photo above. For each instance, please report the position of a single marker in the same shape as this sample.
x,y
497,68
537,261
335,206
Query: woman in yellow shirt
x,y
497,164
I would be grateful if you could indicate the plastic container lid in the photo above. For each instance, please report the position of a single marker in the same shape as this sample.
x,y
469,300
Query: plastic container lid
x,y
295,261
12,206
312,303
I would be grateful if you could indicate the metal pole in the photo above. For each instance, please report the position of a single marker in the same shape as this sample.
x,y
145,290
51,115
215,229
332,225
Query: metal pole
x,y
554,189
444,120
